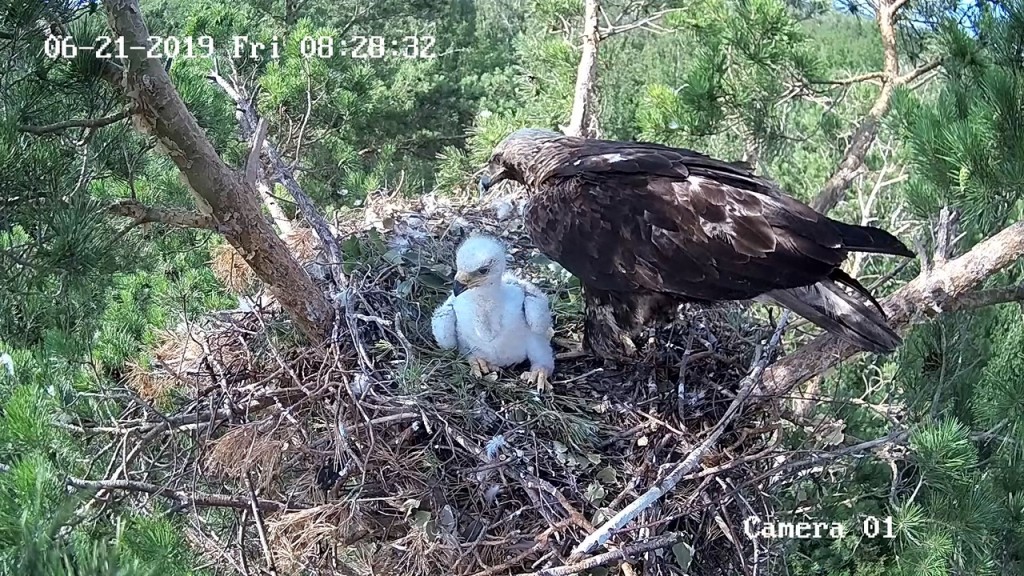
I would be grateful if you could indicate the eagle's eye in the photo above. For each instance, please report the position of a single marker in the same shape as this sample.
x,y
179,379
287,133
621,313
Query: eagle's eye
x,y
483,270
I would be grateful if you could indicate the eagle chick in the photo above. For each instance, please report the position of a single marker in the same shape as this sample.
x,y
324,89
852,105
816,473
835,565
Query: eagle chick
x,y
493,317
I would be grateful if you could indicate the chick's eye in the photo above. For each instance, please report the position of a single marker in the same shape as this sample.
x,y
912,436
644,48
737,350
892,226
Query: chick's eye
x,y
483,270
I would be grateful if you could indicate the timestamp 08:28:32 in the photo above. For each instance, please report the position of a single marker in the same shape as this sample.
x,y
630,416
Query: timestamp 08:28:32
x,y
324,47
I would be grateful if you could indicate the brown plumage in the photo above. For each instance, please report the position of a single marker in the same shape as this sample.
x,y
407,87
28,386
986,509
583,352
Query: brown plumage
x,y
646,227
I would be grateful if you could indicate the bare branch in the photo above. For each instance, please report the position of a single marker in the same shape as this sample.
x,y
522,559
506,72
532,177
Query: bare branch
x,y
854,79
598,560
256,511
77,123
196,498
990,297
919,71
177,217
648,22
945,235
252,163
865,133
896,5
946,288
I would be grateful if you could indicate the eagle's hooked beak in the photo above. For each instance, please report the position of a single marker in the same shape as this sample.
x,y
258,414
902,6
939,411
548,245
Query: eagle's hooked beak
x,y
458,287
488,180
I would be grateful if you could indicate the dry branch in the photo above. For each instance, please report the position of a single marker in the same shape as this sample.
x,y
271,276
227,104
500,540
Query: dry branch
x,y
91,123
252,163
865,133
248,118
947,287
142,214
196,498
598,560
648,23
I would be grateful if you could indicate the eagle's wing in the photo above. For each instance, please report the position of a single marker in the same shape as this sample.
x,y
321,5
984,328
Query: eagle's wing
x,y
536,306
443,324
830,306
628,217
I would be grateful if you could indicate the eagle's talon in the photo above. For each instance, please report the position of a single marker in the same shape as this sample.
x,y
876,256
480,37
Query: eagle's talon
x,y
480,368
539,378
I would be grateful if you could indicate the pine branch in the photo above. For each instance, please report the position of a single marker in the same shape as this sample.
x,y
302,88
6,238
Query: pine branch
x,y
219,191
193,498
949,286
865,133
91,123
142,214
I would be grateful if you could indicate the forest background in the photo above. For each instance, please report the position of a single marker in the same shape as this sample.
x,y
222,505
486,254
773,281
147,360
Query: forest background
x,y
904,114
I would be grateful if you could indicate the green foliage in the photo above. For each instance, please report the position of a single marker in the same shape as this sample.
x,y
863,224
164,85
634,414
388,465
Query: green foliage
x,y
967,145
41,530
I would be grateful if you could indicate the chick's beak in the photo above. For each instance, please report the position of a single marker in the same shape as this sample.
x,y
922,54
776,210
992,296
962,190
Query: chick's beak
x,y
461,282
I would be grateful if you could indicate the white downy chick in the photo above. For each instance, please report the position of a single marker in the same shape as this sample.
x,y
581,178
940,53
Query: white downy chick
x,y
493,317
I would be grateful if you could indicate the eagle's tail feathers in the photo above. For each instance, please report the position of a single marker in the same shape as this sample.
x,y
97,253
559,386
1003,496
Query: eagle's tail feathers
x,y
840,276
827,305
870,239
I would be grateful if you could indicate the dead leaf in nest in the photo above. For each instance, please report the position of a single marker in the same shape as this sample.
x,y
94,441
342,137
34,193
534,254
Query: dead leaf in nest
x,y
394,256
595,493
684,555
409,505
422,520
835,434
404,288
607,475
432,280
446,520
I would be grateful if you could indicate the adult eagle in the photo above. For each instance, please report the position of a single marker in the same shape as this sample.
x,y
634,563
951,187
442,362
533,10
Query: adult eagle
x,y
646,227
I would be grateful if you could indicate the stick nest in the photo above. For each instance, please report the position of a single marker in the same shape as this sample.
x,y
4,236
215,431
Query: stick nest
x,y
379,453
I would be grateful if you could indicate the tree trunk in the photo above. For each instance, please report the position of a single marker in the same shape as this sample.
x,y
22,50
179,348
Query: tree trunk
x,y
220,192
583,118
